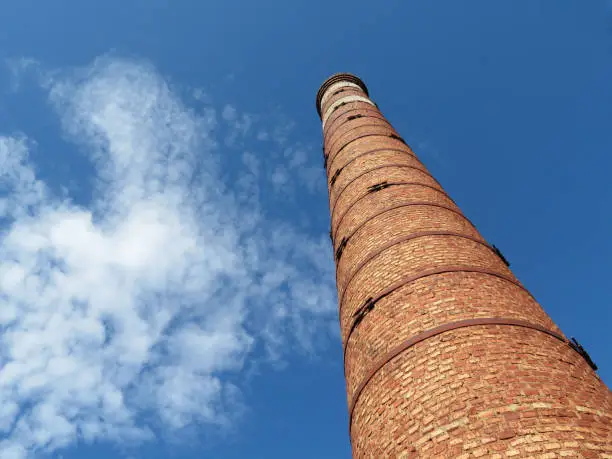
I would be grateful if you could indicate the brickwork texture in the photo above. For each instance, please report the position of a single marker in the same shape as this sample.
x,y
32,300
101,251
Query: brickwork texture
x,y
446,353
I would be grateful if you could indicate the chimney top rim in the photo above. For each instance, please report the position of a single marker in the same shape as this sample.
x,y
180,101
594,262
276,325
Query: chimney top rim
x,y
335,78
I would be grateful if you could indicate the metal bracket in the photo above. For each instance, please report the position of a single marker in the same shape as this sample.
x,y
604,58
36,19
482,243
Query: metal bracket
x,y
354,117
397,137
335,176
340,248
362,311
342,104
574,344
378,187
500,255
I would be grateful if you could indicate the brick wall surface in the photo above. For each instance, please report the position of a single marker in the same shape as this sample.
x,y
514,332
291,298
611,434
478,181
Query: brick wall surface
x,y
446,353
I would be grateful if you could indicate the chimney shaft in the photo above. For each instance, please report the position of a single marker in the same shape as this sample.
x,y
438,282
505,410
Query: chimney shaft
x,y
446,353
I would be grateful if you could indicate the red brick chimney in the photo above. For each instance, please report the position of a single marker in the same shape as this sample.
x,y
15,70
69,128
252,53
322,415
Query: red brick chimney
x,y
446,353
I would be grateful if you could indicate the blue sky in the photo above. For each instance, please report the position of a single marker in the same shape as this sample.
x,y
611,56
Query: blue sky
x,y
166,285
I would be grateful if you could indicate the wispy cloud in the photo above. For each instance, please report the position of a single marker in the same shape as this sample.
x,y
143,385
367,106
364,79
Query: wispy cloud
x,y
147,303
17,69
239,124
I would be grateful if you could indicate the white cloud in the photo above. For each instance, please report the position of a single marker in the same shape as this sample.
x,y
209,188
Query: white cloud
x,y
239,125
229,113
297,157
17,69
280,178
152,298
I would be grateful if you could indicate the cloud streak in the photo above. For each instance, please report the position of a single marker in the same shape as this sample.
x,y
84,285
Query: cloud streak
x,y
141,310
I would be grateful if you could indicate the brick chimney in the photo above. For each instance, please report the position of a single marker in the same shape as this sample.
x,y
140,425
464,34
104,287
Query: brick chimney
x,y
446,353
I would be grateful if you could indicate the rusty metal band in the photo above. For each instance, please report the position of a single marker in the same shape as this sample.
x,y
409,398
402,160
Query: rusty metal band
x,y
441,270
382,166
434,332
351,91
344,89
339,91
376,168
336,115
332,144
351,104
362,112
369,152
331,159
356,201
389,185
408,204
401,240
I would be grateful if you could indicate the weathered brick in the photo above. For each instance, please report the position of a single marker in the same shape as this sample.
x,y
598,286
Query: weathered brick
x,y
477,391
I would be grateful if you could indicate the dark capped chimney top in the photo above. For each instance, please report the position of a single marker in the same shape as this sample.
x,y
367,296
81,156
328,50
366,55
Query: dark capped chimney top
x,y
336,78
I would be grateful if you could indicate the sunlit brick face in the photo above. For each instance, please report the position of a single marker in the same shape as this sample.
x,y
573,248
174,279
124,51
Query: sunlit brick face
x,y
446,353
